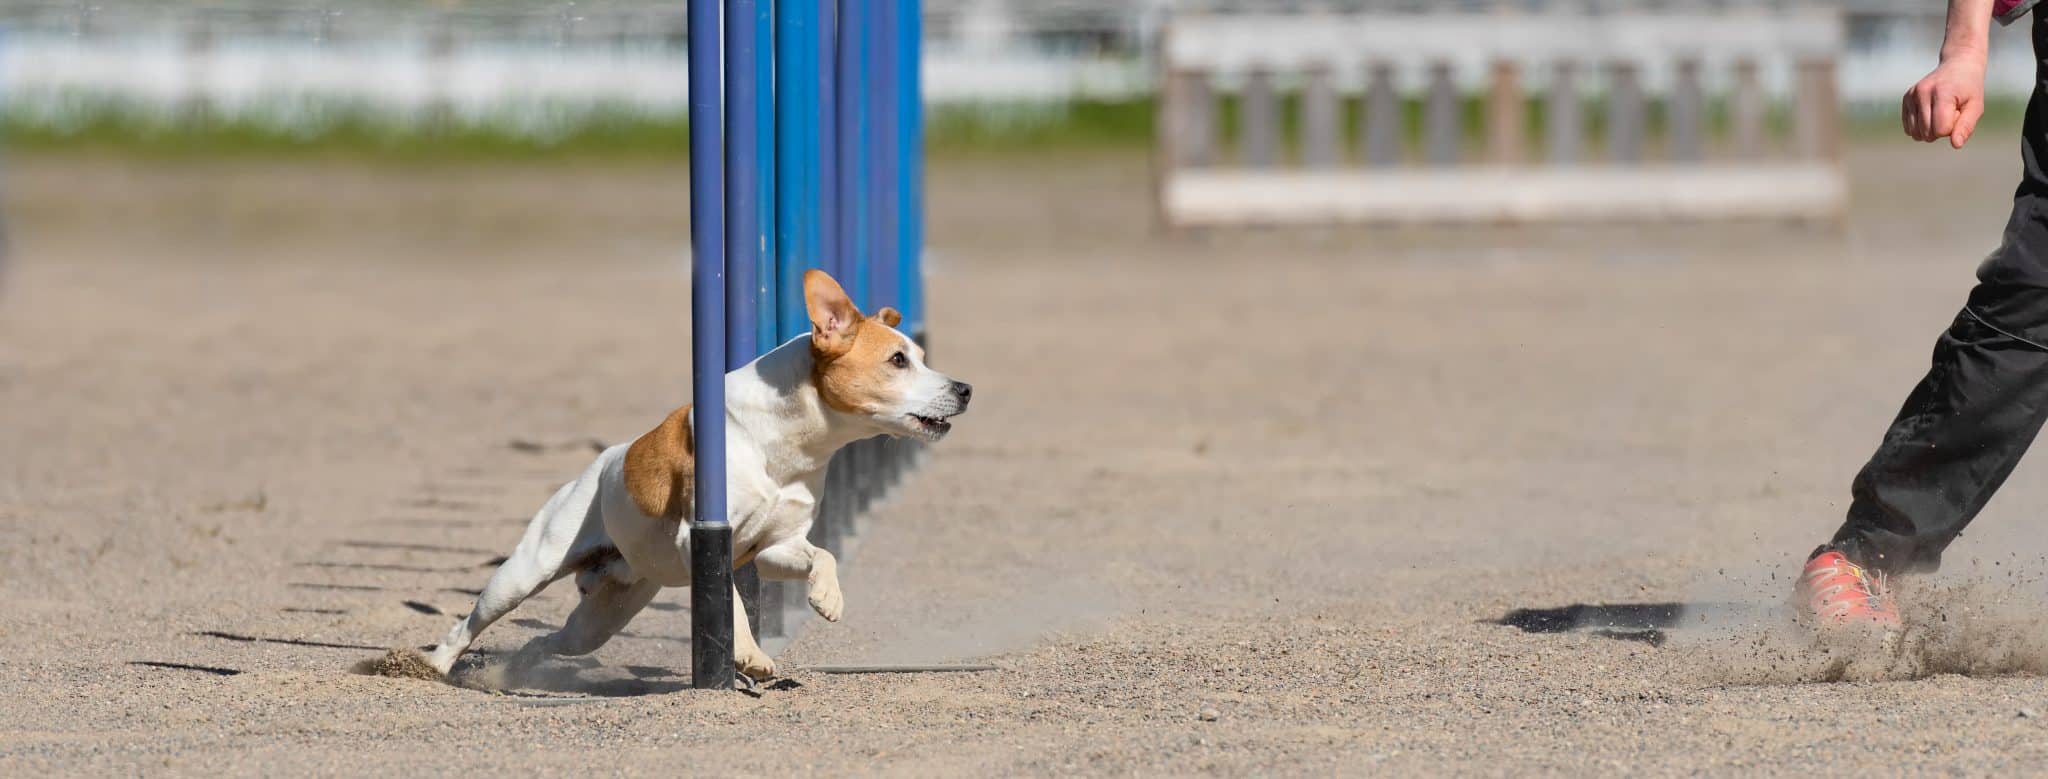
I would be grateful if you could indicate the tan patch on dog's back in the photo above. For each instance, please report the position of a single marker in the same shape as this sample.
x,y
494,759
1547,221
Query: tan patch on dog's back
x,y
661,468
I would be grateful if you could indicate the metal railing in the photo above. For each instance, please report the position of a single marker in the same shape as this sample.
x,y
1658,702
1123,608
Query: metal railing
x,y
1615,65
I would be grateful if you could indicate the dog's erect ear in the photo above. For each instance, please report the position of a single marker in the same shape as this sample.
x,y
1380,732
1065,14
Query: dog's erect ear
x,y
889,316
833,315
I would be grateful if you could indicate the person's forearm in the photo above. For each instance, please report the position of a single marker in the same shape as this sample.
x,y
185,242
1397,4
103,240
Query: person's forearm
x,y
1969,31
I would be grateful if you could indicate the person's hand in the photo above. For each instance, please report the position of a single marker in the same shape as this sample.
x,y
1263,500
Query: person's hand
x,y
1947,103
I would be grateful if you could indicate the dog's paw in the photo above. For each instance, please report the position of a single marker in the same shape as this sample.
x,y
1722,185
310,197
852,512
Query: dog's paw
x,y
827,601
754,663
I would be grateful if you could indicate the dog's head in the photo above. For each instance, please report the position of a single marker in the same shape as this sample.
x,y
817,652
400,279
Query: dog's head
x,y
866,369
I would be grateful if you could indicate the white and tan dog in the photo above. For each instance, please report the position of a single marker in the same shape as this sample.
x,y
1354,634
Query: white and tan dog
x,y
623,527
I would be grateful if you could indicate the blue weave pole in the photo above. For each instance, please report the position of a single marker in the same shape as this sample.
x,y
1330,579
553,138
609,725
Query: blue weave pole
x,y
747,183
876,455
830,249
899,145
710,536
750,285
851,257
855,166
910,138
886,179
910,164
765,288
803,33
801,27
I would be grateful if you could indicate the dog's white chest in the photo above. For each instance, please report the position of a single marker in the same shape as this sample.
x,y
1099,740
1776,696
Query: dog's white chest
x,y
784,514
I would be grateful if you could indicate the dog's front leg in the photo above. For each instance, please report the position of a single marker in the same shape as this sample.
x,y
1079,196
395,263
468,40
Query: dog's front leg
x,y
747,656
800,561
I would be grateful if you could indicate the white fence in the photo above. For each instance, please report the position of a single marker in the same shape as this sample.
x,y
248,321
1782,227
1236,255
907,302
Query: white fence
x,y
539,68
1616,63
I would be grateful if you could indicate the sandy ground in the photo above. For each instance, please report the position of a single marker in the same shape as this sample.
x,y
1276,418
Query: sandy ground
x,y
1238,503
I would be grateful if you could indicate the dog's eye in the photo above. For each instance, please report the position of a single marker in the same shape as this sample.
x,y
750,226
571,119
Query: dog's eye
x,y
899,360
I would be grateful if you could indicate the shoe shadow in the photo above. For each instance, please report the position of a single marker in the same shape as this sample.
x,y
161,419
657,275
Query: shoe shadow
x,y
1640,622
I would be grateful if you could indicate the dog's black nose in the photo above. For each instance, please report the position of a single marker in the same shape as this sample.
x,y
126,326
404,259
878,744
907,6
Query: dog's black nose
x,y
963,391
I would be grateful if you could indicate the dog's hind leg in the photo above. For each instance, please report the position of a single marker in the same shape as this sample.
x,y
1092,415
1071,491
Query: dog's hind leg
x,y
607,605
538,561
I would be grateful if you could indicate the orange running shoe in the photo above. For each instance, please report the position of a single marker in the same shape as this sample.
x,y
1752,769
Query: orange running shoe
x,y
1834,591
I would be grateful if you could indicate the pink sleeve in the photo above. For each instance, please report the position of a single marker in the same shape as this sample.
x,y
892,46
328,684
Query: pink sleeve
x,y
2009,11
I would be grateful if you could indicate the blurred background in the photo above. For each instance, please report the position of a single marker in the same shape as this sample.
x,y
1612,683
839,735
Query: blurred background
x,y
530,76
593,90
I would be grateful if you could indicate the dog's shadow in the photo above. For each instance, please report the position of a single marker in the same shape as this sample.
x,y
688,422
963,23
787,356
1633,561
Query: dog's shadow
x,y
574,676
584,676
1648,623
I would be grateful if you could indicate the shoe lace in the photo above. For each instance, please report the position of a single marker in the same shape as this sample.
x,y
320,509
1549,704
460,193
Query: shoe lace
x,y
1876,590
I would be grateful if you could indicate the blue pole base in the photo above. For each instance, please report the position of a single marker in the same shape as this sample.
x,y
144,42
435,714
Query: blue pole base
x,y
711,606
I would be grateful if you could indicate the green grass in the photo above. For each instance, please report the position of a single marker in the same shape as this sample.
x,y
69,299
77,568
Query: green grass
x,y
596,135
1086,124
620,136
626,135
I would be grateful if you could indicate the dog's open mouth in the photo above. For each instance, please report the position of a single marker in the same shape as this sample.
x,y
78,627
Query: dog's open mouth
x,y
933,428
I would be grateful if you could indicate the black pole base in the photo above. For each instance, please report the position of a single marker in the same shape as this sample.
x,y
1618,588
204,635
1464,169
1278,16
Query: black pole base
x,y
711,606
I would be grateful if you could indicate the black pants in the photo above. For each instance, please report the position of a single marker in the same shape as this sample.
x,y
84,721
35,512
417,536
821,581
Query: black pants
x,y
1982,402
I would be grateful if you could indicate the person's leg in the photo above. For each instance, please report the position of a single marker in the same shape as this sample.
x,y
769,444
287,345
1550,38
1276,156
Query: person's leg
x,y
1959,435
1984,398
